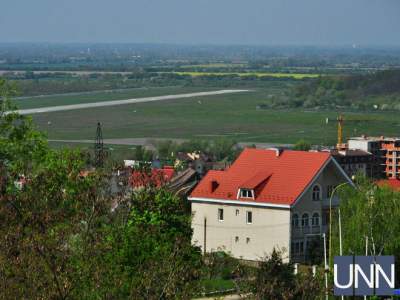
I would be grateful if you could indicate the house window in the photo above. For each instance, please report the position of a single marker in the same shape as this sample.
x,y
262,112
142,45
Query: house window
x,y
315,219
249,217
220,214
236,239
297,247
237,212
295,221
316,193
304,220
247,240
245,193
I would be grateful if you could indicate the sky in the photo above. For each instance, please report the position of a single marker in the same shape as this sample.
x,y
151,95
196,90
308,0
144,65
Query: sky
x,y
244,22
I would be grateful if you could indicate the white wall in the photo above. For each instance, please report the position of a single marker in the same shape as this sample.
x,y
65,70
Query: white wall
x,y
270,228
357,144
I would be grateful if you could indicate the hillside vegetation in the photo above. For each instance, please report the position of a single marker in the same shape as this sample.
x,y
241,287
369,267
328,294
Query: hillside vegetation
x,y
380,90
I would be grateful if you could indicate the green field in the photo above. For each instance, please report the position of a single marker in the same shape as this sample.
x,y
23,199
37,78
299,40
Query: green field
x,y
244,74
56,100
231,116
216,65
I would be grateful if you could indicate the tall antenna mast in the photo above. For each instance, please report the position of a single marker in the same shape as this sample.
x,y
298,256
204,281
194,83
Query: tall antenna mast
x,y
99,148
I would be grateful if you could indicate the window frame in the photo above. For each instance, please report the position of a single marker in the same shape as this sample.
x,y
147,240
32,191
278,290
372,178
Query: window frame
x,y
314,193
249,193
302,220
315,216
249,213
297,224
220,214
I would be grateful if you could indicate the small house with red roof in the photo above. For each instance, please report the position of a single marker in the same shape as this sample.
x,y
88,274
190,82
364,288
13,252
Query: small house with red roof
x,y
266,199
153,177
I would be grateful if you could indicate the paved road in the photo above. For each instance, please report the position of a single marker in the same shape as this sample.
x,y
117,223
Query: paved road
x,y
151,142
123,102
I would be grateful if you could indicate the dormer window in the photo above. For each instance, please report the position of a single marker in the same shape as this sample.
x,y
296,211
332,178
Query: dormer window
x,y
246,193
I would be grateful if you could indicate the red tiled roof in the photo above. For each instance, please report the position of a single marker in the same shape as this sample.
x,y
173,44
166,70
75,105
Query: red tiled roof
x,y
256,180
156,177
168,172
276,179
392,183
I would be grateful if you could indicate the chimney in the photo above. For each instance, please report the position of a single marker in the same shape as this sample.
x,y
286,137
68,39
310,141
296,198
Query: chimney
x,y
214,185
278,151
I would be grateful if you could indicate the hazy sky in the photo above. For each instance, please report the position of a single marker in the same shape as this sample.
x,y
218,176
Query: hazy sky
x,y
264,22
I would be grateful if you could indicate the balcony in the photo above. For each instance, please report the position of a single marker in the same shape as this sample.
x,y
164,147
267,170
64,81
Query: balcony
x,y
326,202
310,230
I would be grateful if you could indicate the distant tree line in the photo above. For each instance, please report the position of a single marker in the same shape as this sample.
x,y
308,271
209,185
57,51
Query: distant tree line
x,y
380,90
33,84
374,91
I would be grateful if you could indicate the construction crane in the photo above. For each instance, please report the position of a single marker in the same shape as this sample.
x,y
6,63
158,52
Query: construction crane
x,y
340,126
340,121
99,148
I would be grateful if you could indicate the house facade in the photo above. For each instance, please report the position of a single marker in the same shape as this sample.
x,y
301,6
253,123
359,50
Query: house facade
x,y
267,199
354,161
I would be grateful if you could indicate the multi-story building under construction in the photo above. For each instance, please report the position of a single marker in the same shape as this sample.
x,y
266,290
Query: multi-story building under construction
x,y
386,154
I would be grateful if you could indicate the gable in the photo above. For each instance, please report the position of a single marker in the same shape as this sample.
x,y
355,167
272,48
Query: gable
x,y
330,174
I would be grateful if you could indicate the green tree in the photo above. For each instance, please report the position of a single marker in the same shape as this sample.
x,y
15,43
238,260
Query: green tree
x,y
302,145
142,154
275,279
224,149
49,212
60,239
368,212
151,255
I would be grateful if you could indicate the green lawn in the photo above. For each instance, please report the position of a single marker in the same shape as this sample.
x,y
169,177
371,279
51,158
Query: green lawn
x,y
233,116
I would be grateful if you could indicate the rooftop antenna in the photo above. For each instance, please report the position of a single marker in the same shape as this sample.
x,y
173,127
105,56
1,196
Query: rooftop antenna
x,y
99,148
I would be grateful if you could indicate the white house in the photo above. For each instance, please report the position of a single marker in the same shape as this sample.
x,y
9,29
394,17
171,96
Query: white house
x,y
266,199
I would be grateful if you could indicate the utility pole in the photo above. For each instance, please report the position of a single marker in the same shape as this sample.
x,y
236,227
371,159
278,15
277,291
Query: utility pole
x,y
340,234
205,236
366,254
330,223
99,148
326,269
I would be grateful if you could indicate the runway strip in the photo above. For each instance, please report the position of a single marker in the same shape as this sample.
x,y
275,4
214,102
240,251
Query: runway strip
x,y
123,102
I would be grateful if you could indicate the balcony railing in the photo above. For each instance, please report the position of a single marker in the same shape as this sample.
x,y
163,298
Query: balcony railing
x,y
326,202
300,231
